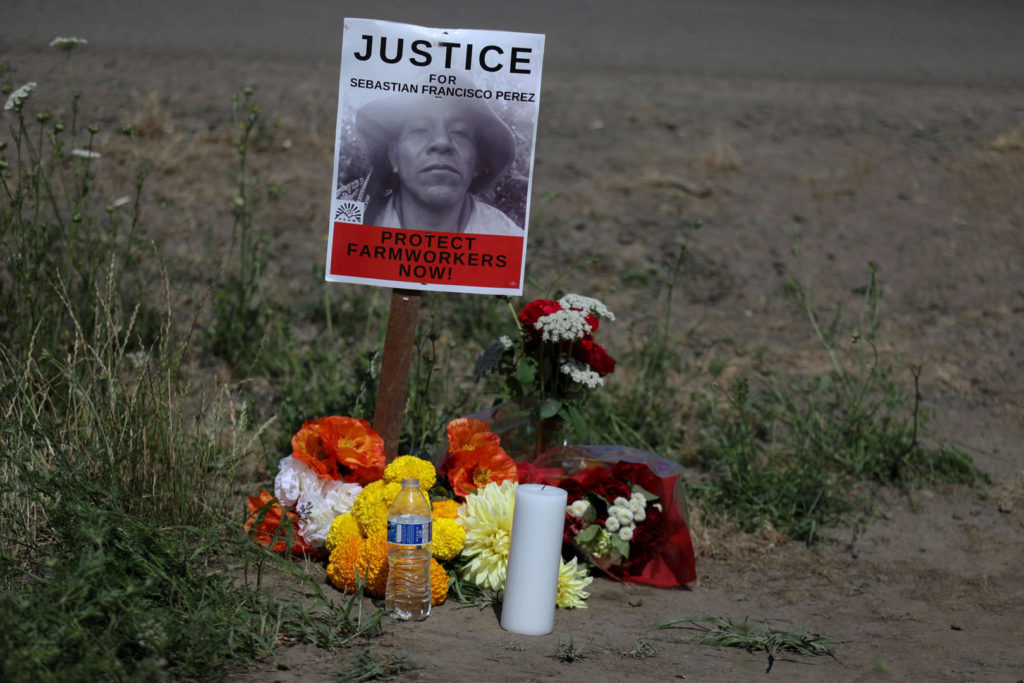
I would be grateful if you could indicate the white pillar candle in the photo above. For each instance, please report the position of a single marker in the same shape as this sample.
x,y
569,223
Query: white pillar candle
x,y
531,583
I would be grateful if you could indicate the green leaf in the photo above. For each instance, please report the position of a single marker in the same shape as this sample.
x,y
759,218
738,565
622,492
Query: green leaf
x,y
549,408
579,424
588,534
620,545
526,371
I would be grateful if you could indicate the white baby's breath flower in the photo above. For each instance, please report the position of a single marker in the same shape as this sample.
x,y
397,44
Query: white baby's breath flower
x,y
294,478
564,325
18,97
505,342
581,373
626,533
612,523
69,43
85,154
586,304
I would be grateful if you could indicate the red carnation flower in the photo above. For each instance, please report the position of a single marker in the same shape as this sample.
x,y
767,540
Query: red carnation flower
x,y
594,355
536,309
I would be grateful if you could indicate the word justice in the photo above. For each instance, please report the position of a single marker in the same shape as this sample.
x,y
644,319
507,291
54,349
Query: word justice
x,y
490,57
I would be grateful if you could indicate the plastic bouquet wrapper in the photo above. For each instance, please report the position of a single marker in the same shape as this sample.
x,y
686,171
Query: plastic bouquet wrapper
x,y
626,512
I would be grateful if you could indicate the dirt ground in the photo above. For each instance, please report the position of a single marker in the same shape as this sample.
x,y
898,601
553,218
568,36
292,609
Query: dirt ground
x,y
923,179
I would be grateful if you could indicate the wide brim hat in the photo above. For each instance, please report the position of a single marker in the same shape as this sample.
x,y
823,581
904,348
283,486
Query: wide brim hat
x,y
380,121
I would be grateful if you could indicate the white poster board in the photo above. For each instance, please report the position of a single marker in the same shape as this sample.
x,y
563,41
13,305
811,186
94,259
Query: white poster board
x,y
434,151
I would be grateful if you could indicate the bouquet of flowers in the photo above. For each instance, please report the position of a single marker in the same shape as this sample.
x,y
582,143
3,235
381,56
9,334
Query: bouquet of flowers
x,y
555,362
331,497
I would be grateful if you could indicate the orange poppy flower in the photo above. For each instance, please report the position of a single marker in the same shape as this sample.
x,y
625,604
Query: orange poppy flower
x,y
275,524
344,448
470,471
470,434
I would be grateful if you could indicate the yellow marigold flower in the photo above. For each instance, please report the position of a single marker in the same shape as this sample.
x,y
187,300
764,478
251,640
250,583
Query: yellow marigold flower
x,y
342,528
411,467
373,564
341,568
487,518
438,583
572,579
371,506
449,538
445,509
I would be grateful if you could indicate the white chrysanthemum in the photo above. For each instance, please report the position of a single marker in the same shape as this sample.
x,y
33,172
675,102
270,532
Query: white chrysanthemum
x,y
340,496
315,517
580,508
294,478
487,518
572,579
626,533
69,43
624,515
505,341
18,97
564,325
612,523
581,373
620,502
639,515
586,304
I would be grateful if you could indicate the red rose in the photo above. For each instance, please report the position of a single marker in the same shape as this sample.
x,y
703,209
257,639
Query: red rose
x,y
594,355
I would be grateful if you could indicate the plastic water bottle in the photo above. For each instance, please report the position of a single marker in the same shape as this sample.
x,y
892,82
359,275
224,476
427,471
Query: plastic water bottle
x,y
410,528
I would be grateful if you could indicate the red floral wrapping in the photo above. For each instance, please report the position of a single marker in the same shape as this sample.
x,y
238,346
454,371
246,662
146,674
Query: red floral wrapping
x,y
661,552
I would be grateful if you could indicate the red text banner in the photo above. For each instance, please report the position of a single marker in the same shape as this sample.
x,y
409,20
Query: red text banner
x,y
426,257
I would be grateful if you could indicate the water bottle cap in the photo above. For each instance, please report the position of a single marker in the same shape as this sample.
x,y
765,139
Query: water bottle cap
x,y
411,482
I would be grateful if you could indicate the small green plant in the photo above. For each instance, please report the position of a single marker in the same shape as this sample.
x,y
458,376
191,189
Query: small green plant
x,y
569,653
242,309
726,632
369,666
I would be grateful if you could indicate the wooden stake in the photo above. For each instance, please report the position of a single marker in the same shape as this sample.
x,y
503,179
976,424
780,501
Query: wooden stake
x,y
399,347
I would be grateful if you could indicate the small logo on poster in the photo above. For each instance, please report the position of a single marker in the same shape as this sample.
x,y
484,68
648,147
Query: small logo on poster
x,y
349,211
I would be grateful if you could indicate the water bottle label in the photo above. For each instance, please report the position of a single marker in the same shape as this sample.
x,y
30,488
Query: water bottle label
x,y
410,534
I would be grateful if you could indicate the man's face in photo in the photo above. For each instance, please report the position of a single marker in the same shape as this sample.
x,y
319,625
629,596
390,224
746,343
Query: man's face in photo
x,y
436,155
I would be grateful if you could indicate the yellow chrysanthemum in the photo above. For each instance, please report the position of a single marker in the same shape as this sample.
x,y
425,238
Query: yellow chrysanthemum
x,y
371,506
572,579
411,467
438,583
487,518
449,539
373,564
445,509
341,568
342,528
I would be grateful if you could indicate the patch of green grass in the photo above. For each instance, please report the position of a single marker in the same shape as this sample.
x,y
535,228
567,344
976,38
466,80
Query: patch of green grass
x,y
726,632
121,552
806,453
368,666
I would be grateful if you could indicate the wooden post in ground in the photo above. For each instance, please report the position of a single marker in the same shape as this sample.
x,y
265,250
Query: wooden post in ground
x,y
393,385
